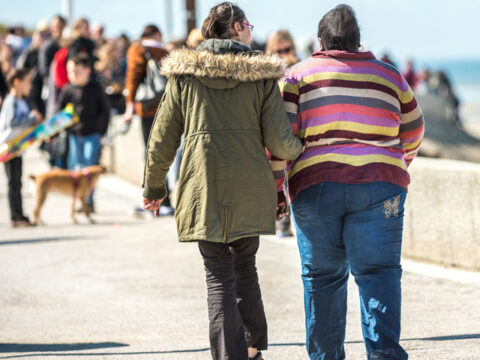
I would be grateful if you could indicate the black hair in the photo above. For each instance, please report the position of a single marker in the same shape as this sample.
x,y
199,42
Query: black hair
x,y
82,59
16,74
61,19
149,31
338,29
220,20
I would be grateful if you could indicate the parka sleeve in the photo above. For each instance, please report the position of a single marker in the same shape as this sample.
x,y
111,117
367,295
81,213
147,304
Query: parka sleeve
x,y
164,141
289,91
276,128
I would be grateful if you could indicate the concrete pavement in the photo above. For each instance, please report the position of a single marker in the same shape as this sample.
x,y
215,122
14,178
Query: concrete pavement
x,y
124,288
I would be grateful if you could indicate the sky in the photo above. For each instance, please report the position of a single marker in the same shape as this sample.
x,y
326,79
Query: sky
x,y
421,29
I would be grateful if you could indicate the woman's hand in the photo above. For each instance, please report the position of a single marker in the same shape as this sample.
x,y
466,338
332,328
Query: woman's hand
x,y
282,210
152,205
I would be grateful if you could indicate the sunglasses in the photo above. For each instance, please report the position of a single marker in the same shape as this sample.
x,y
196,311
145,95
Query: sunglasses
x,y
250,27
284,51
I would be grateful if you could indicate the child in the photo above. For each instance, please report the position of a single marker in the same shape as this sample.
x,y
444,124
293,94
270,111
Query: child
x,y
90,104
15,116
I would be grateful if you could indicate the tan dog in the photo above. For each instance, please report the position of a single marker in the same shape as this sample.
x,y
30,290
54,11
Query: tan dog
x,y
77,184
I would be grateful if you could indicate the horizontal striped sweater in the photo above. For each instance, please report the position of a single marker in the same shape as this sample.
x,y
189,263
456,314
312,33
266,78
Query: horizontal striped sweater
x,y
357,117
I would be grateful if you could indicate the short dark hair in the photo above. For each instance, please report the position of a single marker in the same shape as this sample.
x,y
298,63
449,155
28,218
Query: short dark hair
x,y
220,20
82,59
149,31
338,29
16,74
61,19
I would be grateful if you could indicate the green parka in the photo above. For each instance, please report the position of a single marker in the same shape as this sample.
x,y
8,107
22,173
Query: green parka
x,y
225,99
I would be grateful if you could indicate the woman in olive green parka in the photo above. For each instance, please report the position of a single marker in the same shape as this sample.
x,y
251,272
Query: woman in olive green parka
x,y
225,99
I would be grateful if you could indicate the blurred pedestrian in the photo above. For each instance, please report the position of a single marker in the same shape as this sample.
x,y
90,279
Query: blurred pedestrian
x,y
29,60
410,74
151,41
111,75
15,117
82,44
53,70
150,45
175,44
3,88
29,57
225,99
386,58
281,43
122,44
91,107
194,38
440,85
7,59
423,80
361,127
52,67
17,40
98,36
50,47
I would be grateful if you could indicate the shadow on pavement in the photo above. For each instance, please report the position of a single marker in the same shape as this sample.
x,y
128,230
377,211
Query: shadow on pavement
x,y
71,347
436,338
451,337
41,240
287,344
20,348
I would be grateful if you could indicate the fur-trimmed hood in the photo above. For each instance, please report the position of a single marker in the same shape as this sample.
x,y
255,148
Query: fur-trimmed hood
x,y
223,59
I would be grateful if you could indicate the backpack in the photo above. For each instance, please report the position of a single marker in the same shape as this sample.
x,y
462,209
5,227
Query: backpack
x,y
151,90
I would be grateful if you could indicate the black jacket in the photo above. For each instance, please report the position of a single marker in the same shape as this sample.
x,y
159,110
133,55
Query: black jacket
x,y
46,55
3,86
90,105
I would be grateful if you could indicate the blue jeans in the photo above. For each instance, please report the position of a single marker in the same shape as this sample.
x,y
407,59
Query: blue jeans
x,y
83,151
357,228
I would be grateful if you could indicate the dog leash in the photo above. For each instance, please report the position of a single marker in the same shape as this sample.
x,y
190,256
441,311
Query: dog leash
x,y
75,174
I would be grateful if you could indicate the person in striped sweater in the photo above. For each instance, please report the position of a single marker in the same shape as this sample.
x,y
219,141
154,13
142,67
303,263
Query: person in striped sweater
x,y
361,127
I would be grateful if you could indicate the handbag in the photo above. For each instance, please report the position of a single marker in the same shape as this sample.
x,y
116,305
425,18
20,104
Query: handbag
x,y
151,90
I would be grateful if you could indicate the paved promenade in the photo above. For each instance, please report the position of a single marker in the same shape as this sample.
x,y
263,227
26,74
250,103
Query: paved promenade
x,y
124,288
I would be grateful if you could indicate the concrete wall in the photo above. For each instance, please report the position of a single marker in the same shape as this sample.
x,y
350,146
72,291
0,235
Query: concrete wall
x,y
125,156
442,220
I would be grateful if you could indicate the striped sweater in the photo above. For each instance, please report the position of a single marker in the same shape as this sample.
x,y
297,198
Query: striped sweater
x,y
357,117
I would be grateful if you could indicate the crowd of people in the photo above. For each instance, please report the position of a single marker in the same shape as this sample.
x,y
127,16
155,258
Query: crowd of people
x,y
46,52
356,128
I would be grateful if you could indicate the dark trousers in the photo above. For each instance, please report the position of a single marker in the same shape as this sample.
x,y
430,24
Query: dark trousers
x,y
147,123
13,168
235,307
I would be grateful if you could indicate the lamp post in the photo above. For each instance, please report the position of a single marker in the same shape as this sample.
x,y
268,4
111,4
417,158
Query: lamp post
x,y
191,17
169,19
67,10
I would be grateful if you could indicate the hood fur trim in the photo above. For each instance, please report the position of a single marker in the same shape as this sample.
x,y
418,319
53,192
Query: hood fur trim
x,y
240,67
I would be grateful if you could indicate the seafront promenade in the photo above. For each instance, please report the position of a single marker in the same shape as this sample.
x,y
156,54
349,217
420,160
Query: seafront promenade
x,y
124,288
